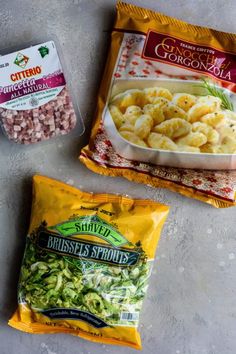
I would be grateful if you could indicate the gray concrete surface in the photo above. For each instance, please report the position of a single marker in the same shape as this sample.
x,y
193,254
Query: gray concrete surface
x,y
191,303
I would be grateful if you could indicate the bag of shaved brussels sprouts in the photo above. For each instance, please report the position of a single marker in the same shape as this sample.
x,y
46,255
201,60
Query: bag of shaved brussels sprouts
x,y
86,264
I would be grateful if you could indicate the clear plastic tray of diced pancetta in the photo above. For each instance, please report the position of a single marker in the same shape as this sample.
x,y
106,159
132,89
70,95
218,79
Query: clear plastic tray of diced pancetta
x,y
37,101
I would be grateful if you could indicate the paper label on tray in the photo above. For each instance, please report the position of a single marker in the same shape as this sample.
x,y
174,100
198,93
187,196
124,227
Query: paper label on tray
x,y
30,77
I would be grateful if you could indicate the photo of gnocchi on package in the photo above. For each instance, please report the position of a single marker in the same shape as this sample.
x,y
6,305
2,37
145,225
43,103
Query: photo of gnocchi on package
x,y
166,112
155,118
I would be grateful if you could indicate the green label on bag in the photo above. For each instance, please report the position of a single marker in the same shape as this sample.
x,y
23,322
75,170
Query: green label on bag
x,y
91,225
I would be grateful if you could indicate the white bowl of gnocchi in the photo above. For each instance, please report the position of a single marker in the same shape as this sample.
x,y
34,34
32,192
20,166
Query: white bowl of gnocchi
x,y
173,123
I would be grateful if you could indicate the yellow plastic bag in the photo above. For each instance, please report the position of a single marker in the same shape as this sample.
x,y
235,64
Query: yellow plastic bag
x,y
86,265
166,107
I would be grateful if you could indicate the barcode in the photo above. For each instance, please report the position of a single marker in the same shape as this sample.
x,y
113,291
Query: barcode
x,y
129,316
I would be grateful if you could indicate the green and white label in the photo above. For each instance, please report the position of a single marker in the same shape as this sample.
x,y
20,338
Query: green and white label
x,y
91,225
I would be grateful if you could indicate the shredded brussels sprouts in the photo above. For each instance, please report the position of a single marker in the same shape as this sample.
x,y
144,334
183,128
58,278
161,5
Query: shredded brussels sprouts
x,y
49,280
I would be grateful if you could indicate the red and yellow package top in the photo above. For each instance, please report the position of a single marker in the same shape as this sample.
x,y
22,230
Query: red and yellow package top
x,y
87,263
166,107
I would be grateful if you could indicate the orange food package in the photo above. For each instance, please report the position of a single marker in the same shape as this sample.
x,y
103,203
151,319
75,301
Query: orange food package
x,y
87,262
166,107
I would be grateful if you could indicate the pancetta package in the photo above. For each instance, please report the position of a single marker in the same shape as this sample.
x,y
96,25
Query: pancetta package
x,y
166,112
35,102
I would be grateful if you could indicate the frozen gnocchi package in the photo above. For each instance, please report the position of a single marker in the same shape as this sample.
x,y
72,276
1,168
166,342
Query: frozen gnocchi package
x,y
166,112
87,263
